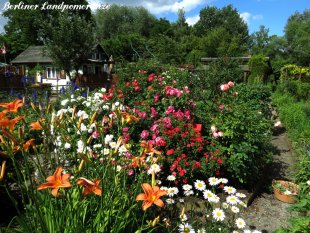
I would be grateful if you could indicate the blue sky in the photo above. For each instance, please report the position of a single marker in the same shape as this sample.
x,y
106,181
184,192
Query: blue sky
x,y
273,14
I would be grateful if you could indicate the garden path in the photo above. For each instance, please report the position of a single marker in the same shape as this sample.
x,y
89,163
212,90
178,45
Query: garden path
x,y
266,213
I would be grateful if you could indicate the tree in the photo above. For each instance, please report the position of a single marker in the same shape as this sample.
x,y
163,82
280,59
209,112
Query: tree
x,y
116,20
227,20
161,26
259,40
70,42
181,28
297,34
28,27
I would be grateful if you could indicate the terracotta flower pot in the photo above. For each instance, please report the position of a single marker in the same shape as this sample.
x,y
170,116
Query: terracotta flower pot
x,y
285,191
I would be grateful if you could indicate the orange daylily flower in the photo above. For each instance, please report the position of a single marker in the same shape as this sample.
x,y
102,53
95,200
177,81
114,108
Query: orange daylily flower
x,y
90,186
36,125
56,181
10,123
2,115
149,148
127,118
137,161
12,106
151,196
29,143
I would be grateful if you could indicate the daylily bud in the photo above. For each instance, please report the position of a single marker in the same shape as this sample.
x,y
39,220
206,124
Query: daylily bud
x,y
93,117
2,172
33,106
89,139
80,122
81,165
155,221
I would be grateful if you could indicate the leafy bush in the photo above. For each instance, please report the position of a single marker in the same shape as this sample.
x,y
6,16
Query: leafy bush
x,y
247,131
300,90
259,69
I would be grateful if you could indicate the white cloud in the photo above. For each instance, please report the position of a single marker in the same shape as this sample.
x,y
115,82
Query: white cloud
x,y
246,16
192,20
155,6
94,4
257,17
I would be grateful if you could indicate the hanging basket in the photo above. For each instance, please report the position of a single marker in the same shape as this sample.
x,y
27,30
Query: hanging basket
x,y
285,191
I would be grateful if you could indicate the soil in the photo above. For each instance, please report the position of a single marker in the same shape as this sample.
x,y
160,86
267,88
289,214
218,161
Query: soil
x,y
265,213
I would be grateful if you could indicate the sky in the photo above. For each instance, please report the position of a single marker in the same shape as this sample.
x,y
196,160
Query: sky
x,y
273,14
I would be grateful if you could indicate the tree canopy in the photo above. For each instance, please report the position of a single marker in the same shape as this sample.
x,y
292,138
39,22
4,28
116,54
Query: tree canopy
x,y
297,34
133,33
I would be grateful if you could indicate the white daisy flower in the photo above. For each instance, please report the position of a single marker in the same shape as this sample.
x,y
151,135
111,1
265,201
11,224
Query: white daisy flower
x,y
225,205
112,144
223,180
229,189
240,223
171,178
172,191
181,200
188,193
200,185
186,228
164,188
232,200
154,168
235,209
170,201
214,199
213,181
122,149
247,231
256,231
187,187
207,194
241,195
218,214
235,232
308,182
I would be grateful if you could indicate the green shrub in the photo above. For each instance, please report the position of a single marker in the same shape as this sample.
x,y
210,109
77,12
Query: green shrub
x,y
246,124
259,69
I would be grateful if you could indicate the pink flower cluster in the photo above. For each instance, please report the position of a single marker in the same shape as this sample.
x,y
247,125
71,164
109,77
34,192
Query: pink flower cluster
x,y
186,114
216,133
170,91
226,86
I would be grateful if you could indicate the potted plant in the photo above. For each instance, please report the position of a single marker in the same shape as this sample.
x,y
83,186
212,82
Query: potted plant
x,y
285,191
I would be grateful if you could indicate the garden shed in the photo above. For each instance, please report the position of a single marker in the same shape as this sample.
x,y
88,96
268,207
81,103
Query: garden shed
x,y
34,61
